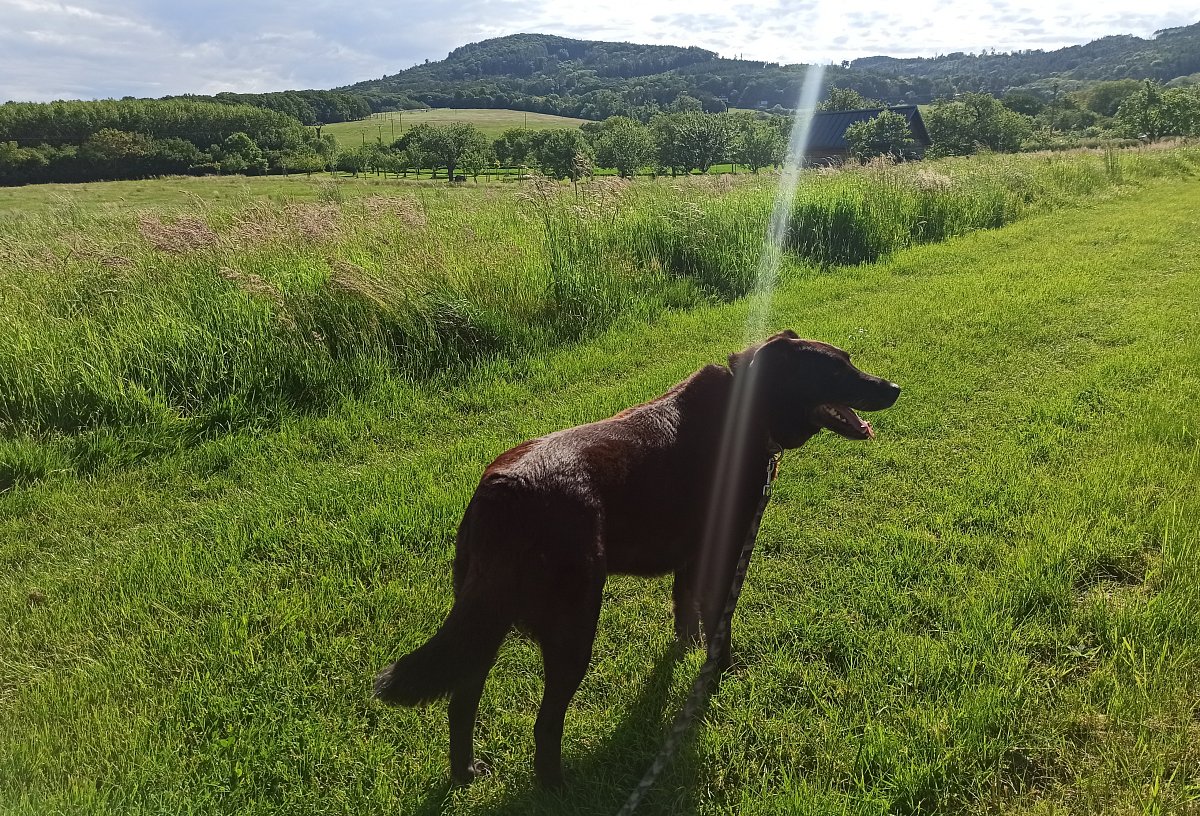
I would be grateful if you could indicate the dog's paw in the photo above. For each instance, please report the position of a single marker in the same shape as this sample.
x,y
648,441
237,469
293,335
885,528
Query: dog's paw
x,y
551,781
478,768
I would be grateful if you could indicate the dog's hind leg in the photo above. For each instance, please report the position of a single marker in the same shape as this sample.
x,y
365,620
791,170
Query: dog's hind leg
x,y
464,707
566,651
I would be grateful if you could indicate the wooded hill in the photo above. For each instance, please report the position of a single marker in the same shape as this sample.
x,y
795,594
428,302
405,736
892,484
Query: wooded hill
x,y
594,80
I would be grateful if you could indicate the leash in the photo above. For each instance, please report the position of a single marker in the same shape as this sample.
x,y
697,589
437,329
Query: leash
x,y
705,684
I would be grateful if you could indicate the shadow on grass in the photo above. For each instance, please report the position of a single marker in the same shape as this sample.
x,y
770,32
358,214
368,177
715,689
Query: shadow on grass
x,y
600,782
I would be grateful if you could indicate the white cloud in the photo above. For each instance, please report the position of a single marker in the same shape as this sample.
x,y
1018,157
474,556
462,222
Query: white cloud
x,y
98,48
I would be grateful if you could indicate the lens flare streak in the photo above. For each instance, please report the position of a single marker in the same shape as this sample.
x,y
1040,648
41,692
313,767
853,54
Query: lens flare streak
x,y
735,460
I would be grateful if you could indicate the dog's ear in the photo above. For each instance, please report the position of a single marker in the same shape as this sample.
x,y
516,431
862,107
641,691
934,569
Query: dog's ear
x,y
740,359
775,344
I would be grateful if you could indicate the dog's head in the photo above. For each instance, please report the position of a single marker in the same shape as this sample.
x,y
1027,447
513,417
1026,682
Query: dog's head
x,y
803,386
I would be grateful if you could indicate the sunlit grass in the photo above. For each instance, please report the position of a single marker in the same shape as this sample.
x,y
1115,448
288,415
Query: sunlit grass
x,y
991,608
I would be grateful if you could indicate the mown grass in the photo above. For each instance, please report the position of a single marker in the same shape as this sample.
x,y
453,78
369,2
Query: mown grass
x,y
991,608
124,335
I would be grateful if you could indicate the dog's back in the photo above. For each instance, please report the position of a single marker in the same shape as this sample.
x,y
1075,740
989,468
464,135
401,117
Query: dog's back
x,y
619,493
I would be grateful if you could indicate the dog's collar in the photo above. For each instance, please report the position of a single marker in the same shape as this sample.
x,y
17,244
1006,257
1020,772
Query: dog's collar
x,y
773,466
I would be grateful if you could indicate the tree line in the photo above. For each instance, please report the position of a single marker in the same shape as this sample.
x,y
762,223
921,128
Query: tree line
x,y
122,139
86,141
1106,111
972,122
307,107
671,144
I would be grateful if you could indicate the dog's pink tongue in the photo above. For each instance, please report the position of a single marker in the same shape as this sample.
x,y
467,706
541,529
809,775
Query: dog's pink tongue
x,y
863,426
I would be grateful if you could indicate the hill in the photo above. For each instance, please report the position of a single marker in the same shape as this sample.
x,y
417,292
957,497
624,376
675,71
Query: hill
x,y
594,79
1172,53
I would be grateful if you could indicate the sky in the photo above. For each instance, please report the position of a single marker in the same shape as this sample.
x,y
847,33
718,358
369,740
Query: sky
x,y
89,49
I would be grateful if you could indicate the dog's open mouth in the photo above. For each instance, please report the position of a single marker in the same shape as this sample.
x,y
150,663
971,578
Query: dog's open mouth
x,y
841,419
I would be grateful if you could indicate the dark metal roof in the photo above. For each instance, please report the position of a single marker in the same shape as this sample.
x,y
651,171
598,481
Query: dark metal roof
x,y
829,127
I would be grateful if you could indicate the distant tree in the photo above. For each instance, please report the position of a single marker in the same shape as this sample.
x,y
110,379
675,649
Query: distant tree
x,y
175,156
112,153
1066,114
847,99
378,157
973,122
624,144
692,141
21,165
644,112
1141,115
1191,80
327,146
1105,98
447,145
302,161
1153,112
401,161
759,144
514,146
412,145
1023,102
887,134
685,103
562,152
353,161
602,104
1182,110
476,159
240,154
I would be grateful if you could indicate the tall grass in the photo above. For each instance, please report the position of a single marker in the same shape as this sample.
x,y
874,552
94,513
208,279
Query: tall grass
x,y
122,334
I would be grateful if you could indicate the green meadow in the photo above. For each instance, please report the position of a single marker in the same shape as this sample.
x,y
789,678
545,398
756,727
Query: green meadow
x,y
239,431
493,122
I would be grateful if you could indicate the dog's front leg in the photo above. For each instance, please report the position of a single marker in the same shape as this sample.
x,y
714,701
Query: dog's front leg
x,y
687,608
712,609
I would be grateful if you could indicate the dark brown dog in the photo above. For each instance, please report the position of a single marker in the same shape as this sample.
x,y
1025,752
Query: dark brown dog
x,y
630,494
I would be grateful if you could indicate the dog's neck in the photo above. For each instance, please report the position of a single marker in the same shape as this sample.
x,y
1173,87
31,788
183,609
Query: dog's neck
x,y
715,389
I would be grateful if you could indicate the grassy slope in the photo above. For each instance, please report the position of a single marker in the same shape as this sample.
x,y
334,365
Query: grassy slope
x,y
491,122
991,607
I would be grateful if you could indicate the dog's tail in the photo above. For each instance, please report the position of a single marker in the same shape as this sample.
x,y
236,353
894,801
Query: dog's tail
x,y
464,647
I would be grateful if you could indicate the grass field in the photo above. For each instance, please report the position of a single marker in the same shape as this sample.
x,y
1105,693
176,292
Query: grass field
x,y
993,607
181,192
493,122
131,332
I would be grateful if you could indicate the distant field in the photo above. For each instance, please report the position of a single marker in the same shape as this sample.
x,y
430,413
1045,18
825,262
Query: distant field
x,y
389,126
181,190
173,191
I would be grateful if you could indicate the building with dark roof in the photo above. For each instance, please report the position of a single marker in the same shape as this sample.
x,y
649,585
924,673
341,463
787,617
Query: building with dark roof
x,y
827,140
